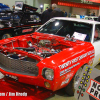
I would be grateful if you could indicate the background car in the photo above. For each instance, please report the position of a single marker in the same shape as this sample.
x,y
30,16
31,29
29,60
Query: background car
x,y
19,22
93,18
4,7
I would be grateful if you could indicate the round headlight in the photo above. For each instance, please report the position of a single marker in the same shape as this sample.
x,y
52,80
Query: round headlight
x,y
48,74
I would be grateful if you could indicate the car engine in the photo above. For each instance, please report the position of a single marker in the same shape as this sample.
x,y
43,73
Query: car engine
x,y
37,47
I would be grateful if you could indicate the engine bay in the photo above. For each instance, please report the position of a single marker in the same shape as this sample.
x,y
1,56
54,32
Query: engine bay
x,y
38,47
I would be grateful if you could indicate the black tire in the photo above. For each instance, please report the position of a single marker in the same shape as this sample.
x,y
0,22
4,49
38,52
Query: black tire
x,y
6,36
70,88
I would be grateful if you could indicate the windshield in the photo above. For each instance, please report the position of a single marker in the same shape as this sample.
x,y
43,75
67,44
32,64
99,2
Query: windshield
x,y
64,27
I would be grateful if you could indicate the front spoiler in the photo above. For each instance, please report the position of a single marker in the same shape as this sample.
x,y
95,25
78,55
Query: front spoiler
x,y
8,86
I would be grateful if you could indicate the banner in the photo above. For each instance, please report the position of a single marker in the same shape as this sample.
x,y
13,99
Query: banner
x,y
96,1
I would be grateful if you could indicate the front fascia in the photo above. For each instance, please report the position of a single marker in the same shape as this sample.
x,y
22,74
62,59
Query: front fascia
x,y
66,63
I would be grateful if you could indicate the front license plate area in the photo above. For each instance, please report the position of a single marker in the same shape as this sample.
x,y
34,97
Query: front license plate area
x,y
11,77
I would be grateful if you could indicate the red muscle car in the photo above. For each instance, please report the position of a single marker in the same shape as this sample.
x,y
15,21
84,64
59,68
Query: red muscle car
x,y
53,56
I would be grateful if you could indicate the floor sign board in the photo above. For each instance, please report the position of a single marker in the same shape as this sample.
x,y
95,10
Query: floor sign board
x,y
89,84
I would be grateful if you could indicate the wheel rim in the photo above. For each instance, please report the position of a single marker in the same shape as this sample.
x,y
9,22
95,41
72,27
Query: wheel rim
x,y
5,36
77,77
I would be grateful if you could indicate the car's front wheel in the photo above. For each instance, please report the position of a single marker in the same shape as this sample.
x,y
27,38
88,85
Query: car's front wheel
x,y
70,88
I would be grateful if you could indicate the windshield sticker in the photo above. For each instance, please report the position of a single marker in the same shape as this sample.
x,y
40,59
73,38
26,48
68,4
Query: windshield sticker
x,y
79,36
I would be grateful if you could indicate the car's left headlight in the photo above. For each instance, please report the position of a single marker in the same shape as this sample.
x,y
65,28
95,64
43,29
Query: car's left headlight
x,y
48,73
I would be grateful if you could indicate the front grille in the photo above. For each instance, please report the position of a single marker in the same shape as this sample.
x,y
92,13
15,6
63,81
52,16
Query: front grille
x,y
18,66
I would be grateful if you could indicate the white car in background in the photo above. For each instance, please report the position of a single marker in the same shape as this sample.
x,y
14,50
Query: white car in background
x,y
93,18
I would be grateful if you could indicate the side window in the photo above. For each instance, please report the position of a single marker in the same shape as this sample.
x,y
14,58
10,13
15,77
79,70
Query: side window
x,y
97,33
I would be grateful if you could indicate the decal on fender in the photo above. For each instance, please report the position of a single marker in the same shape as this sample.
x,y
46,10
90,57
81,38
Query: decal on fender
x,y
68,63
68,69
68,76
65,82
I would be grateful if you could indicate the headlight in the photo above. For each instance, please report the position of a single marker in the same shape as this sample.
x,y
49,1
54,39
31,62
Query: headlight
x,y
48,73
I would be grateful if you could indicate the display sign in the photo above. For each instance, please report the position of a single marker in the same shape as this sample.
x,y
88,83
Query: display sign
x,y
79,1
89,84
79,36
18,5
93,2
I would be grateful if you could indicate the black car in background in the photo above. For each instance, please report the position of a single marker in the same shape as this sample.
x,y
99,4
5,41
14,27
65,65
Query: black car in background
x,y
20,22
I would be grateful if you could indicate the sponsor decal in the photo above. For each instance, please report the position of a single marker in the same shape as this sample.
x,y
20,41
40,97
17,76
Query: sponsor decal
x,y
67,78
90,62
70,62
68,69
65,82
69,75
92,56
27,30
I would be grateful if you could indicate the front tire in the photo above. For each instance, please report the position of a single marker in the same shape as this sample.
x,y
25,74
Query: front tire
x,y
6,36
70,88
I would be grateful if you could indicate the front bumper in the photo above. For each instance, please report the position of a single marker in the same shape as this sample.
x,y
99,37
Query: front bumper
x,y
26,71
32,80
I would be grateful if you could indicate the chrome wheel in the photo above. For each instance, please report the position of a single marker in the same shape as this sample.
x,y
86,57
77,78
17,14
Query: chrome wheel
x,y
6,36
77,77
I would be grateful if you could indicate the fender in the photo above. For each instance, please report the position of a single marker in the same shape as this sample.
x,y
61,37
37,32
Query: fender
x,y
67,61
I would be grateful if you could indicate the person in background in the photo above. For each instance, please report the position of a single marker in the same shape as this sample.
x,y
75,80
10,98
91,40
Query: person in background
x,y
89,14
46,8
56,11
93,14
45,16
13,7
65,13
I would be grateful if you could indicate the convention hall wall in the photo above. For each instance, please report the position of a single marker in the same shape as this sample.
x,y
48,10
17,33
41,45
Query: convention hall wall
x,y
67,9
37,3
83,11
